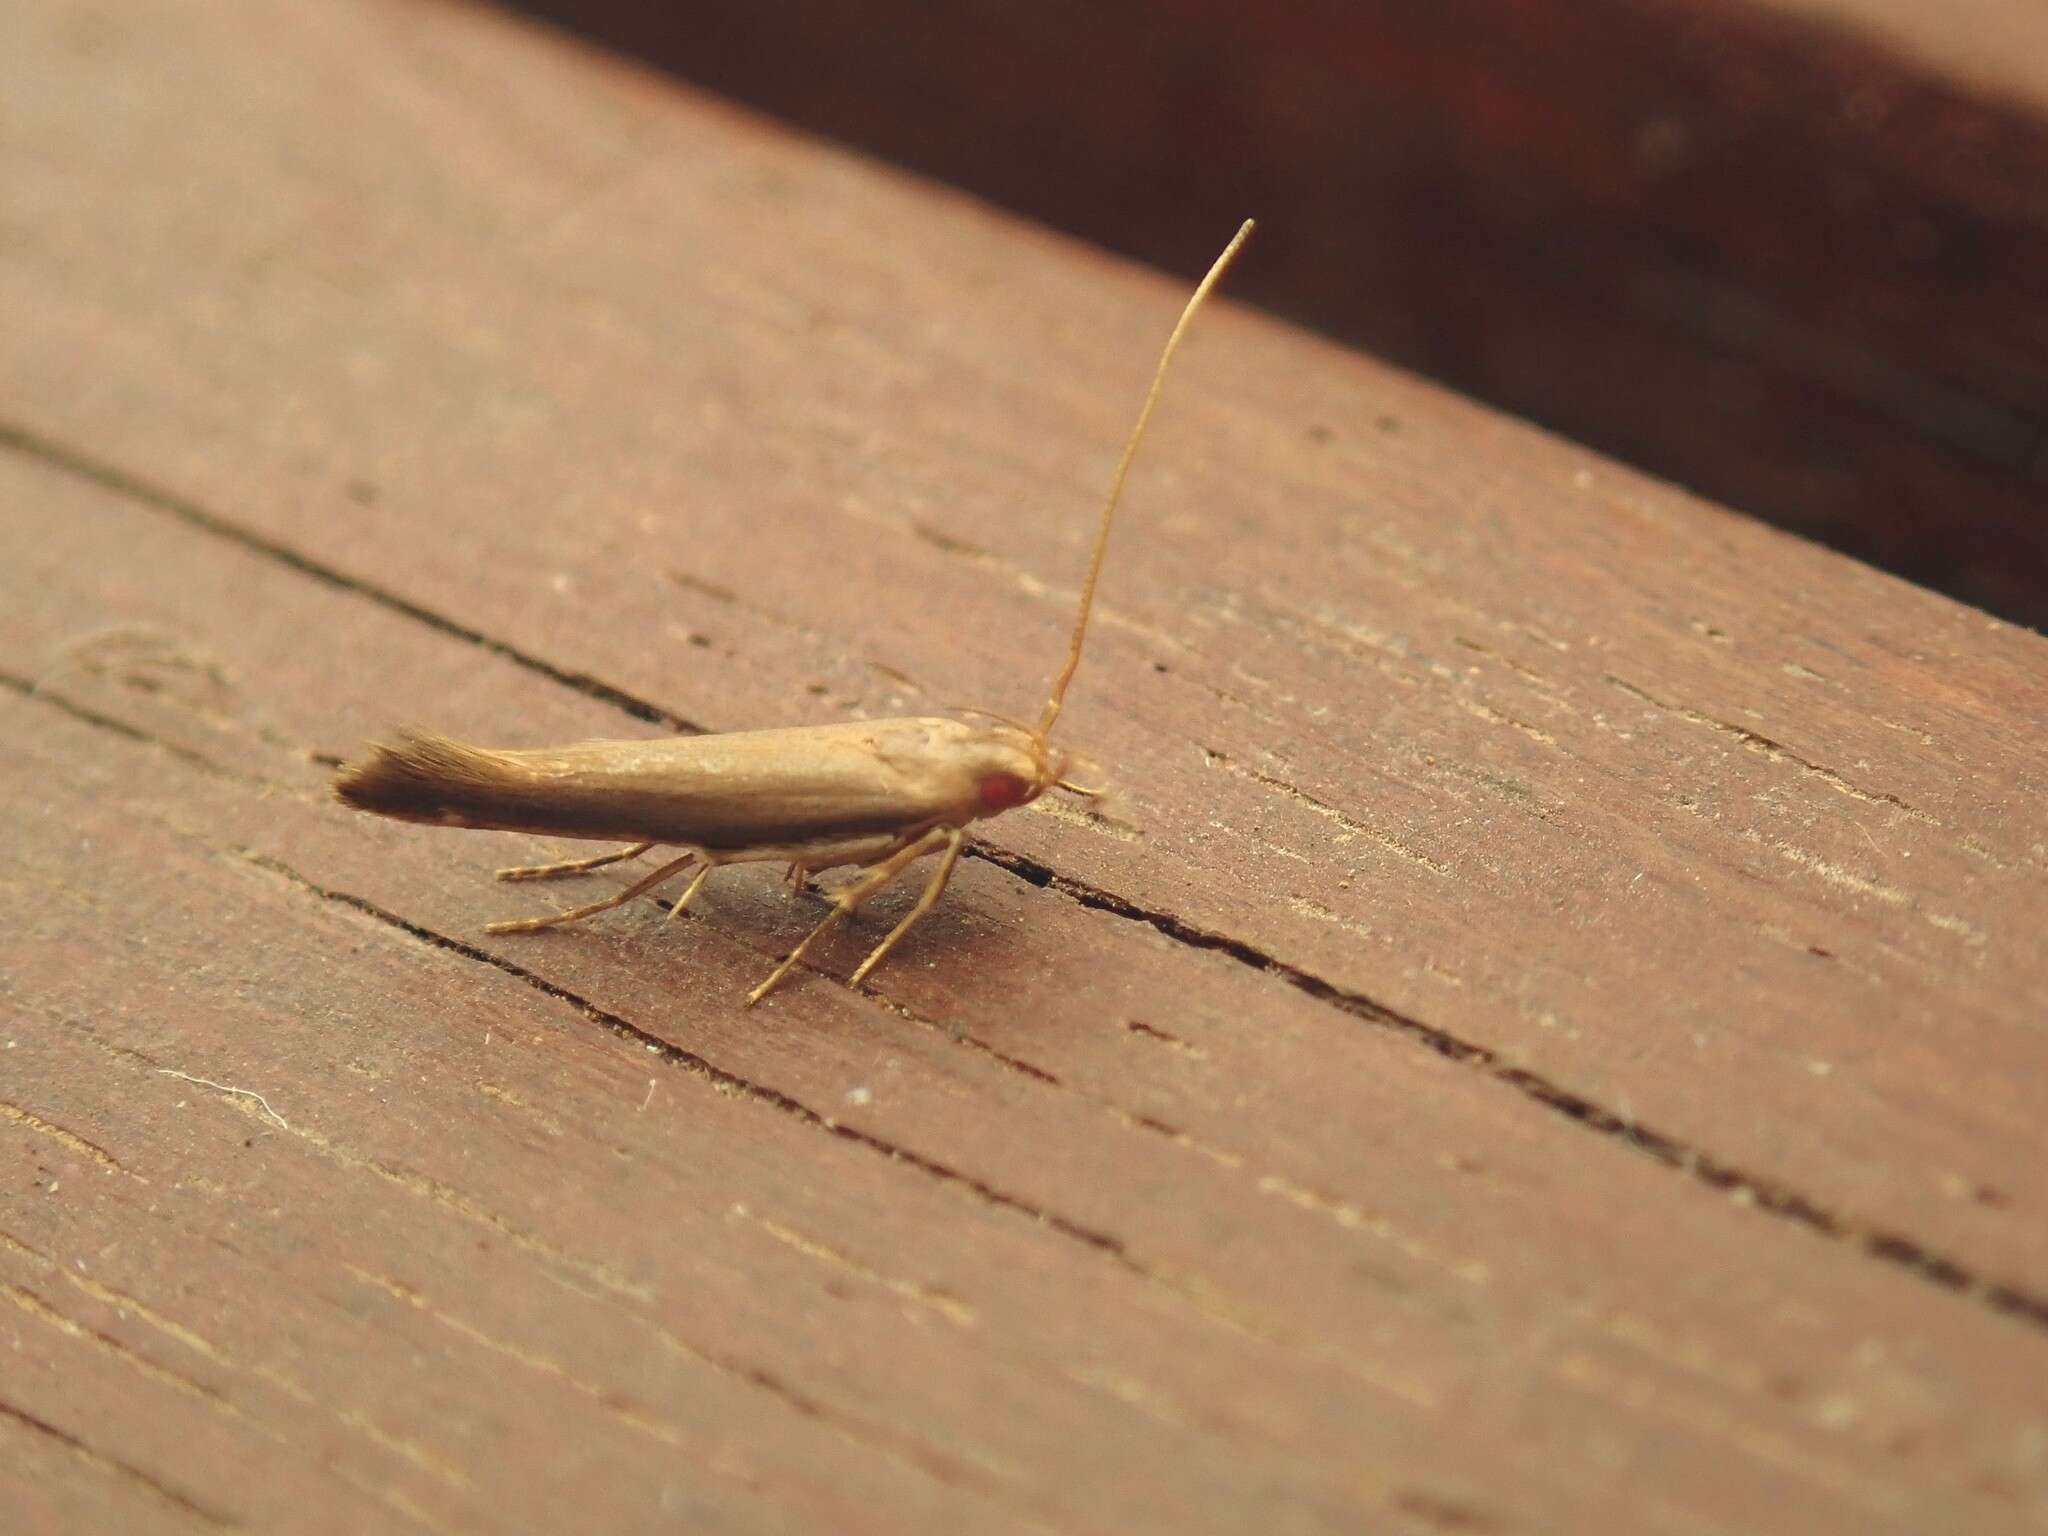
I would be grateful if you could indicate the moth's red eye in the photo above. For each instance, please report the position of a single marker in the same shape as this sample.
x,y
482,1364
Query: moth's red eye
x,y
1000,791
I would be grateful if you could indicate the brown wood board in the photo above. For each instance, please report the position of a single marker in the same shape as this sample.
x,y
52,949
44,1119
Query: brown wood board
x,y
1546,1037
1790,253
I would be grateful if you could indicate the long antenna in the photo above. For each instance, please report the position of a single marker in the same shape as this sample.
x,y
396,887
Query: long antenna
x,y
1116,484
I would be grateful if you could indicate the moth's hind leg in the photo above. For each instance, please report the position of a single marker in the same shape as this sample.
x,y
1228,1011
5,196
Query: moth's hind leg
x,y
572,866
646,883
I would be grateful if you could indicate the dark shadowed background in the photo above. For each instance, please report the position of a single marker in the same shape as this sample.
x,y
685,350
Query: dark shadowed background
x,y
1793,255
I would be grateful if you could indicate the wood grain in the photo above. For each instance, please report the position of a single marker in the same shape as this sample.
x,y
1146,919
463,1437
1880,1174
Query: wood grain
x,y
1547,1036
1790,253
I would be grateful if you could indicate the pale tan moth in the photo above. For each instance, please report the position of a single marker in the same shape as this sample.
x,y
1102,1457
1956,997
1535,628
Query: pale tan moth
x,y
878,794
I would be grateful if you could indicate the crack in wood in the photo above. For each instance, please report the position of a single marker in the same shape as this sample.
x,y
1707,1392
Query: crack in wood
x,y
70,1141
1281,787
1776,751
261,1423
1195,1291
1771,1196
955,1310
133,488
43,1312
695,1065
1761,1192
125,1471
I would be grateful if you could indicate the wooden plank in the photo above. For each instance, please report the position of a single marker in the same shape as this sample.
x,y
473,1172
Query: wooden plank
x,y
1787,252
1016,1268
1346,1133
1518,693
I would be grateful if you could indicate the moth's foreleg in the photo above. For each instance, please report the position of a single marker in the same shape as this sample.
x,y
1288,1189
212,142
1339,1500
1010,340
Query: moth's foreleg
x,y
848,898
577,914
933,890
572,866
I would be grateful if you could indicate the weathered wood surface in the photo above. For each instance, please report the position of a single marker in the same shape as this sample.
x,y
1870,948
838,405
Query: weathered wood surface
x,y
1551,1039
1791,253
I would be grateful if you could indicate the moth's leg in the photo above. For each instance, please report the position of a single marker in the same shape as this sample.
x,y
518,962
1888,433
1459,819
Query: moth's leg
x,y
1080,786
933,890
847,899
572,866
696,884
648,883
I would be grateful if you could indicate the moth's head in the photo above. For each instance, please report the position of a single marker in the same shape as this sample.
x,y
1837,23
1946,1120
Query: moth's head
x,y
1010,766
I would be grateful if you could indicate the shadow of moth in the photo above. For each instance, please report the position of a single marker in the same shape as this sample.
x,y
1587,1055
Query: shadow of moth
x,y
876,794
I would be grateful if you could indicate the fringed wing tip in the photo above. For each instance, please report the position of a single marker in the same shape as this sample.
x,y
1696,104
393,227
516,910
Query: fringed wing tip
x,y
415,775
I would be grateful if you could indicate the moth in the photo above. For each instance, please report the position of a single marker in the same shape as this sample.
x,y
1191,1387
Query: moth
x,y
875,794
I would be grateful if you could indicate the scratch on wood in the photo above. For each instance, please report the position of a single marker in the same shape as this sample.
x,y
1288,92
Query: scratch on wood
x,y
1179,1138
710,589
656,1428
1268,845
27,689
1925,737
1328,812
35,1306
1481,710
71,1141
1269,1329
1864,885
1170,1041
407,1450
899,1446
1541,680
959,1313
1088,820
449,1198
1641,1334
1964,929
939,539
126,1303
1777,752
900,678
1342,1212
1315,911
126,1472
958,1035
1353,1219
1131,1392
1030,585
398,1290
120,1301
401,1502
767,615
514,1100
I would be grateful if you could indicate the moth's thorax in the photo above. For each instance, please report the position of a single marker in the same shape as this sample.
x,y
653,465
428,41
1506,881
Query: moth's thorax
x,y
977,766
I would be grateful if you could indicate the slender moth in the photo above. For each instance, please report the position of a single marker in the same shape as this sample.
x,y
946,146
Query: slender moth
x,y
877,794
